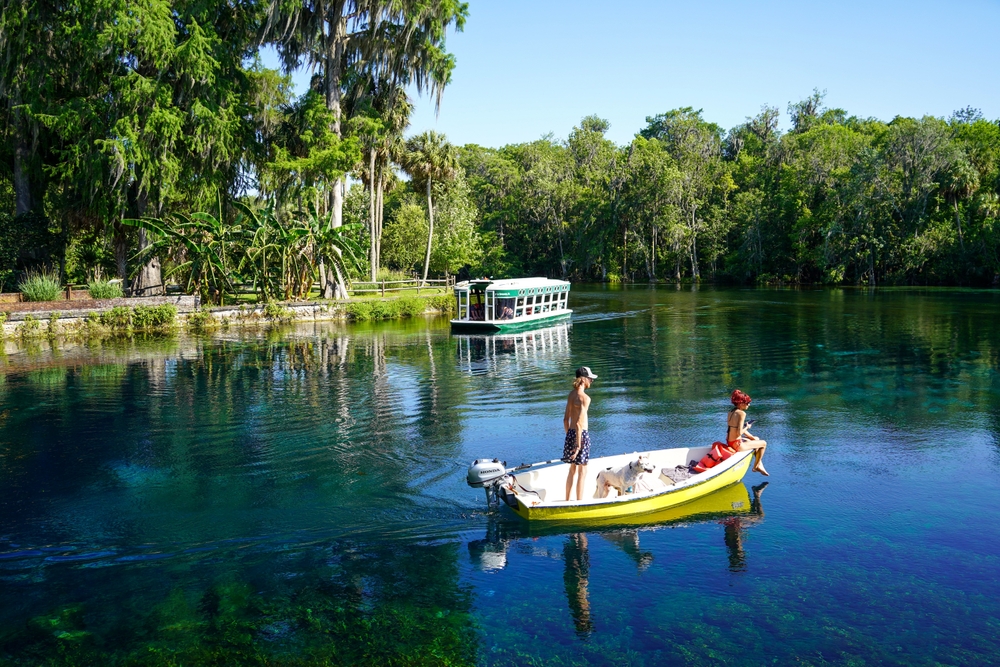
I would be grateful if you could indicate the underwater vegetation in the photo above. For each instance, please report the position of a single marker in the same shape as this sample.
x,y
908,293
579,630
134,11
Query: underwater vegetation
x,y
342,616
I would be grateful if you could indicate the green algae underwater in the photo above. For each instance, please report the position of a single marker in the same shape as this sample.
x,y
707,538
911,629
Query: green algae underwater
x,y
296,495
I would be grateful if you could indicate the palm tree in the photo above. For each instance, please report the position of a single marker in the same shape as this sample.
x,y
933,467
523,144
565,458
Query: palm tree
x,y
960,182
381,113
401,41
428,158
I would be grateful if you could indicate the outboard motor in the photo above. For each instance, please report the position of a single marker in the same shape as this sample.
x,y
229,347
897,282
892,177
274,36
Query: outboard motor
x,y
488,474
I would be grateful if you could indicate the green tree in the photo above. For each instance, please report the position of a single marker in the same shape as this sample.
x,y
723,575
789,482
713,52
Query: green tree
x,y
394,40
428,159
696,146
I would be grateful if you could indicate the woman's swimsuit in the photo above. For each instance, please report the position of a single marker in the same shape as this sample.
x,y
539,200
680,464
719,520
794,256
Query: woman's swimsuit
x,y
733,444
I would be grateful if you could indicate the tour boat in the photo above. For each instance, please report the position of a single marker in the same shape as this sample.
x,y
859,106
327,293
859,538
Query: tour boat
x,y
537,492
487,305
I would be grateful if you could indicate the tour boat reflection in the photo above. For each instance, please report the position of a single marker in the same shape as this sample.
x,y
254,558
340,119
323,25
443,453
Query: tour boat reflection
x,y
488,354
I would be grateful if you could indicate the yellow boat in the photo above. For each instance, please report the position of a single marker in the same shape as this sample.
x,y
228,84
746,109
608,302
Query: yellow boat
x,y
537,492
732,500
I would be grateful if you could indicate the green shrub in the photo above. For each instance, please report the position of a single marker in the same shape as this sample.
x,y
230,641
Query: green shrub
x,y
53,324
391,309
119,318
385,310
360,311
153,317
274,311
103,289
411,306
29,327
444,303
202,320
40,286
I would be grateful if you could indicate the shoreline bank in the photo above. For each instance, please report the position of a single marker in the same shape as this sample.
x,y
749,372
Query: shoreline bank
x,y
152,314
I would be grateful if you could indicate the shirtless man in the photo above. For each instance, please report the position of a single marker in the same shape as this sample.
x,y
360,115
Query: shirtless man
x,y
576,449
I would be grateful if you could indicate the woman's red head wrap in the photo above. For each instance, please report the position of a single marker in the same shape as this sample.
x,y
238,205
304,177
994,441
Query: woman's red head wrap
x,y
738,398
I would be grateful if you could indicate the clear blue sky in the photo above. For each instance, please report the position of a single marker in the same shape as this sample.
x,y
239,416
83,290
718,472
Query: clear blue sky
x,y
527,68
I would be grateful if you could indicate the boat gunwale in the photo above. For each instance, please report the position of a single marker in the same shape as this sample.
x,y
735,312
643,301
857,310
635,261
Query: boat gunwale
x,y
631,498
566,312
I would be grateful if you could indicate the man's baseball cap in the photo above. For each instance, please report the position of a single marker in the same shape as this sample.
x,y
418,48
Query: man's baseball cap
x,y
585,372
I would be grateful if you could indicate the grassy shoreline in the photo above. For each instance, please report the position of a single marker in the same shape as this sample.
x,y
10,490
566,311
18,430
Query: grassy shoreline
x,y
128,320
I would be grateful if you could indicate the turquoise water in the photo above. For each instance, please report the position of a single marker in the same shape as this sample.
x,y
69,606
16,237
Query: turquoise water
x,y
297,496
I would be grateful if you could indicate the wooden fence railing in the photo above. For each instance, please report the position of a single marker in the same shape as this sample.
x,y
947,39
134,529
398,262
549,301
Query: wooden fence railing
x,y
382,287
379,287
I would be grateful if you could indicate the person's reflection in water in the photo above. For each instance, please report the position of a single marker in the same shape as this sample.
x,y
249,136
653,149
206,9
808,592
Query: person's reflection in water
x,y
734,527
575,576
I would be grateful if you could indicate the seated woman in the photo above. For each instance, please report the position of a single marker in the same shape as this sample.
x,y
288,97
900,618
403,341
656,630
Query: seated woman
x,y
738,436
476,312
506,309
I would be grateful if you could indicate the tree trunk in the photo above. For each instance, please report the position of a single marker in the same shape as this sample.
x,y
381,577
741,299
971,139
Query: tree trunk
x,y
372,225
325,286
332,70
958,223
119,242
149,281
23,201
695,276
379,217
653,277
430,229
562,254
624,254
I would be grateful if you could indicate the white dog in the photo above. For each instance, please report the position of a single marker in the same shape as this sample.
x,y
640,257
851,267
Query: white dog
x,y
622,478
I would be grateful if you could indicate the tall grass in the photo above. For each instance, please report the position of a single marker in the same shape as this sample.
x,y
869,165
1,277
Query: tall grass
x,y
390,274
104,289
40,286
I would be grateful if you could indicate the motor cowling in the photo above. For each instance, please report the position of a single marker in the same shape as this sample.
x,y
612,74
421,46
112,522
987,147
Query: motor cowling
x,y
484,472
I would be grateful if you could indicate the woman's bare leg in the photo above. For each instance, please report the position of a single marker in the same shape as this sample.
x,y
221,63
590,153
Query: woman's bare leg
x,y
759,447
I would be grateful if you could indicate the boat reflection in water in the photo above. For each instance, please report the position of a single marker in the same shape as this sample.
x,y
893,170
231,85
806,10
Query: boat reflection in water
x,y
486,354
732,506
